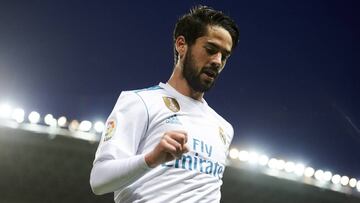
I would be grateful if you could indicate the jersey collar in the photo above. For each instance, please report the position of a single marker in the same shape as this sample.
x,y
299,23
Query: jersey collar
x,y
173,91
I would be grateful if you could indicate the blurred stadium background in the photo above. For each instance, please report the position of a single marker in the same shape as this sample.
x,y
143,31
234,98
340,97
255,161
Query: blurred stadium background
x,y
44,159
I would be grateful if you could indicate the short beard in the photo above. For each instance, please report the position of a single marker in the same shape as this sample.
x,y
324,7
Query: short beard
x,y
192,76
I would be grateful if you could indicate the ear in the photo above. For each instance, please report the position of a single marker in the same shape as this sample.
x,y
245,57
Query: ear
x,y
180,45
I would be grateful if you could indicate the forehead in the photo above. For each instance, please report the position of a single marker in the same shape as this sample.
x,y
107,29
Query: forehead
x,y
218,36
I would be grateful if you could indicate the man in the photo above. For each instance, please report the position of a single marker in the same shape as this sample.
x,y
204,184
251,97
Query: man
x,y
164,143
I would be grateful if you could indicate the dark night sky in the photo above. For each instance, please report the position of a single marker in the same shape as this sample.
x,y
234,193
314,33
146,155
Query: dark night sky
x,y
290,89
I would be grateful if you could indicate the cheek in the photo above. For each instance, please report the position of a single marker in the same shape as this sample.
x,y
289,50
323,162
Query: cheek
x,y
202,59
197,61
222,67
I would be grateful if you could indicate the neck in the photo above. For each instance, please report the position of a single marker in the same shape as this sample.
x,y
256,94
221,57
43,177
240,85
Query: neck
x,y
178,82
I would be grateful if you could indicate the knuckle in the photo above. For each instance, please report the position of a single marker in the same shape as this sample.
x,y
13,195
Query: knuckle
x,y
163,143
178,147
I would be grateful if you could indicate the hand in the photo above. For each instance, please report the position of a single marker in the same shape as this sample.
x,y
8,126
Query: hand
x,y
171,146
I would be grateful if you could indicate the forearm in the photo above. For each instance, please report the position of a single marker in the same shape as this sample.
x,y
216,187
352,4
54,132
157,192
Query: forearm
x,y
110,175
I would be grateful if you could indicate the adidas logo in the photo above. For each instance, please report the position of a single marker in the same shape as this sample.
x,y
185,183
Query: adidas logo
x,y
173,120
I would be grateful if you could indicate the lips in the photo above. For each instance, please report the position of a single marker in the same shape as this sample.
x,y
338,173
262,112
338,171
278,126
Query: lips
x,y
210,73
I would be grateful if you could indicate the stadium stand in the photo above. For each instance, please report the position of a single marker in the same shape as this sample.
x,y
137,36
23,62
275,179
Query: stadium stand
x,y
38,167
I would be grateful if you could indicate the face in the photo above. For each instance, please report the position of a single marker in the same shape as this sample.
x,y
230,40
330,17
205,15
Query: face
x,y
206,58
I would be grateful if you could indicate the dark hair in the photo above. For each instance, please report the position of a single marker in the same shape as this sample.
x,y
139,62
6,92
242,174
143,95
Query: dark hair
x,y
194,25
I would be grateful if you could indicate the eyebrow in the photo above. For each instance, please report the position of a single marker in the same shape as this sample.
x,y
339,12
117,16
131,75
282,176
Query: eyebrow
x,y
216,46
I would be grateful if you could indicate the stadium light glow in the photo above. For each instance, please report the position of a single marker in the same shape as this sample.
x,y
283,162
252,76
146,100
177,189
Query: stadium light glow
x,y
299,169
289,166
5,111
352,182
253,157
53,122
263,160
272,163
18,115
309,172
243,156
344,180
234,153
319,175
34,117
336,179
50,120
280,165
85,126
99,126
327,176
74,125
62,121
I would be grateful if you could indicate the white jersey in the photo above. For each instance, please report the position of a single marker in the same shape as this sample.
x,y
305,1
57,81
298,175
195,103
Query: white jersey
x,y
136,126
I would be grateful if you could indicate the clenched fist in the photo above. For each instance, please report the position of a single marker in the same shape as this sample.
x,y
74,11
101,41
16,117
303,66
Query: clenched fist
x,y
171,146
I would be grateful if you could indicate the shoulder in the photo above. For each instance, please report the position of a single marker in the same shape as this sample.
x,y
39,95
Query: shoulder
x,y
138,97
145,94
148,89
150,95
218,116
226,129
140,93
226,125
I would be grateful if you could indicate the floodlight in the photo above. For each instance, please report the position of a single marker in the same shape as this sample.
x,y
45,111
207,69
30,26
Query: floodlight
x,y
289,166
299,169
85,126
243,156
234,153
272,163
327,176
18,115
53,122
309,172
344,180
352,182
336,179
358,186
62,121
99,126
74,125
5,111
253,158
48,119
263,160
280,164
319,175
34,117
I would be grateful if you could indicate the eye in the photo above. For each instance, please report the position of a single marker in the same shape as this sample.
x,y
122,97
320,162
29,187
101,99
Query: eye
x,y
211,50
224,57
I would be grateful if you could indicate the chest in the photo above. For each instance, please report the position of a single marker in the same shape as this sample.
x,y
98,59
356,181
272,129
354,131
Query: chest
x,y
207,136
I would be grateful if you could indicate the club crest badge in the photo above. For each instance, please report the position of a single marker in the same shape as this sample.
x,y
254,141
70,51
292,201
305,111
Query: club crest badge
x,y
222,135
171,104
110,129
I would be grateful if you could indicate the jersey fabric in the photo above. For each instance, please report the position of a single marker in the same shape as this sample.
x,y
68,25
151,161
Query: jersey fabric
x,y
134,128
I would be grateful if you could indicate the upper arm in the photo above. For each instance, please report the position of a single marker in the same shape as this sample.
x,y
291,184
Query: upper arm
x,y
125,127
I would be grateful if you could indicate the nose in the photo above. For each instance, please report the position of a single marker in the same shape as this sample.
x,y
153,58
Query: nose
x,y
216,59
